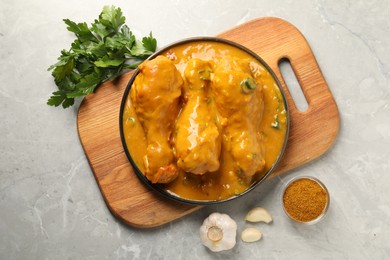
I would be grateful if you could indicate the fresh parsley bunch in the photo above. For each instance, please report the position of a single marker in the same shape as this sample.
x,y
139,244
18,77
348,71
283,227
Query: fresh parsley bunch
x,y
100,52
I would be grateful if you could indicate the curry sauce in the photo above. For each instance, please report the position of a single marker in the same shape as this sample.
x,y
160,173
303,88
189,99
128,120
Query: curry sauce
x,y
243,117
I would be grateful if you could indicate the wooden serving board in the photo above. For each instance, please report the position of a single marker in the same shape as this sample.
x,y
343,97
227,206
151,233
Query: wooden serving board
x,y
312,132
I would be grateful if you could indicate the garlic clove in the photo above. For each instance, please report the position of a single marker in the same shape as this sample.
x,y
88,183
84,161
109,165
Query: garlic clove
x,y
258,215
251,235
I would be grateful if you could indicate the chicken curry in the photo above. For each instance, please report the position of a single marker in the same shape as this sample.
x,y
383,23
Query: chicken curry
x,y
204,120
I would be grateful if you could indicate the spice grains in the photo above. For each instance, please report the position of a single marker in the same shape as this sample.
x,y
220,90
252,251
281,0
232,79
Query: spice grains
x,y
305,200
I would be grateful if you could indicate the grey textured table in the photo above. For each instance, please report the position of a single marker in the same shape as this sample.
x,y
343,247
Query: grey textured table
x,y
51,207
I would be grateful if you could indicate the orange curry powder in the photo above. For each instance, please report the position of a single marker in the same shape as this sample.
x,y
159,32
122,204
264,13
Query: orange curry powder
x,y
305,200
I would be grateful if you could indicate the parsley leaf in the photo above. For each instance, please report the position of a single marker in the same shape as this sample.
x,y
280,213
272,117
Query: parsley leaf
x,y
100,52
149,43
144,48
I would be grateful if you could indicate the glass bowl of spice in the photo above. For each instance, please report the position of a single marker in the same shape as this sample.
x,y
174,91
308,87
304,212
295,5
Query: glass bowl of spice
x,y
305,200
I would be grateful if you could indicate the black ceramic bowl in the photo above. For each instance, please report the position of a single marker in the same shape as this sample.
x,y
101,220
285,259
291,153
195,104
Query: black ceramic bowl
x,y
157,187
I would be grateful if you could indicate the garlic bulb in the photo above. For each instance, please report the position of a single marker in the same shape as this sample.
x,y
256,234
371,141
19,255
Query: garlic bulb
x,y
218,232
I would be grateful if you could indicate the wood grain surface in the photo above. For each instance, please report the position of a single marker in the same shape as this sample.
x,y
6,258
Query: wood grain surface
x,y
312,132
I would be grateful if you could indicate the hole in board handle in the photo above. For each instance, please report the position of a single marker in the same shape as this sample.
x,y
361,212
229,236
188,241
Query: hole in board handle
x,y
292,84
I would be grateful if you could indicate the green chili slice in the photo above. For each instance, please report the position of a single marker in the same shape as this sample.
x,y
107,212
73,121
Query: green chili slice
x,y
248,85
